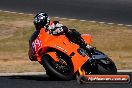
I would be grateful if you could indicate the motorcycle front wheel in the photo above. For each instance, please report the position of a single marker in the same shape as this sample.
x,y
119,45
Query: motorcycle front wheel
x,y
105,65
56,69
101,64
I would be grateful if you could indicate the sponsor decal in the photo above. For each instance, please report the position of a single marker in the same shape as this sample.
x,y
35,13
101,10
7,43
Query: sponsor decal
x,y
107,78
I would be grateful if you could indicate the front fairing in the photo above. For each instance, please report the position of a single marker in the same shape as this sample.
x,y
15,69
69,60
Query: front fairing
x,y
61,43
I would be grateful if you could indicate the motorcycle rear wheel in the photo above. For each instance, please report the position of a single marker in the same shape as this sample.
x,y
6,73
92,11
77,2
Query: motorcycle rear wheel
x,y
56,69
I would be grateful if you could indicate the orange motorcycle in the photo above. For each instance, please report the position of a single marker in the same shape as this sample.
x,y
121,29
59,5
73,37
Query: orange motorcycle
x,y
64,59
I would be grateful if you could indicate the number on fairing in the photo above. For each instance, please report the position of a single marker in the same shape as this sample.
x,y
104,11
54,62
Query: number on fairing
x,y
36,45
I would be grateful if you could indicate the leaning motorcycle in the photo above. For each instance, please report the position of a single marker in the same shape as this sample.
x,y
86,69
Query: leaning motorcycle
x,y
65,60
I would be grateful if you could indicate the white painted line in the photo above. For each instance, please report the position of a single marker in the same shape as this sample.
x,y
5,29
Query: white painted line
x,y
124,70
82,20
39,73
72,19
30,14
93,21
23,74
13,12
56,17
101,22
129,25
6,11
120,24
20,13
64,18
110,23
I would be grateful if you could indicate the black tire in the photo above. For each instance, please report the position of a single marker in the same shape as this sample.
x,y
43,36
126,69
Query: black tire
x,y
52,71
49,74
105,65
107,69
81,79
100,65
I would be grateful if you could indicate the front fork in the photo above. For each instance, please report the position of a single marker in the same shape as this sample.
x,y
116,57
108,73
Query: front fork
x,y
87,68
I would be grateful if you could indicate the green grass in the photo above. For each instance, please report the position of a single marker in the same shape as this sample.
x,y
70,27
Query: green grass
x,y
116,41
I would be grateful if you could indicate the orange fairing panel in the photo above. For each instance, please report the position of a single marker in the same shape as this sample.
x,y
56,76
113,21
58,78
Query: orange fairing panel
x,y
87,38
62,43
54,56
45,37
78,61
58,42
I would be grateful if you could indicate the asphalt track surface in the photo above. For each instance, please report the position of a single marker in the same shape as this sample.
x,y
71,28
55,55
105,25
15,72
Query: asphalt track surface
x,y
43,81
117,11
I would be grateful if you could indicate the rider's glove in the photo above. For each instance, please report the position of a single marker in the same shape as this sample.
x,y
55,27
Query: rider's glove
x,y
88,46
55,28
58,25
91,49
59,30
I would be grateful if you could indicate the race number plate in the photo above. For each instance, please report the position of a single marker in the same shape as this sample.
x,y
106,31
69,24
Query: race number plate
x,y
36,44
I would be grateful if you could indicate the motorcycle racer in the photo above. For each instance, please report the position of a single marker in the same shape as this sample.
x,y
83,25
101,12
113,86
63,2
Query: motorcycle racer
x,y
42,20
